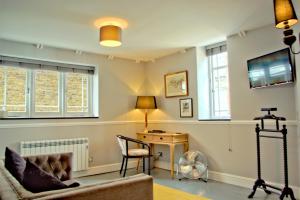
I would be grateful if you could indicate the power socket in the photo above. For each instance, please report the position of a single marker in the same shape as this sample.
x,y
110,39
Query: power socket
x,y
160,154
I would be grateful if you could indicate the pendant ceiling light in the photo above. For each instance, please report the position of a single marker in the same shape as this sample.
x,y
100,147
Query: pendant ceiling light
x,y
110,31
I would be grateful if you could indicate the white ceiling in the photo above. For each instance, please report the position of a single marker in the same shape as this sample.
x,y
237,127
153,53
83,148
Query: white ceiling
x,y
156,27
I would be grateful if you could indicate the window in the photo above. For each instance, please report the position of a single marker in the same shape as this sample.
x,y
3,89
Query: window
x,y
46,91
13,89
35,89
214,99
77,87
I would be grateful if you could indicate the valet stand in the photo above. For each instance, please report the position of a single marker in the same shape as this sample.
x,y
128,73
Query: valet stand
x,y
260,183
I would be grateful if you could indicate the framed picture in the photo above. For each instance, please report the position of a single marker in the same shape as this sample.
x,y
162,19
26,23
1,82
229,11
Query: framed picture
x,y
186,107
176,84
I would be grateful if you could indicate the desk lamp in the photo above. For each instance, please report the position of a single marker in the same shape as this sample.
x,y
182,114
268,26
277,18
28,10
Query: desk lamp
x,y
146,102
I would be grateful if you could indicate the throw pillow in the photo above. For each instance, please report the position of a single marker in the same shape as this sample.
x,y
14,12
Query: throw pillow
x,y
37,180
14,163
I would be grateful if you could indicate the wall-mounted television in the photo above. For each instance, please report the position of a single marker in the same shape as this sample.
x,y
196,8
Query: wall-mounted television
x,y
271,69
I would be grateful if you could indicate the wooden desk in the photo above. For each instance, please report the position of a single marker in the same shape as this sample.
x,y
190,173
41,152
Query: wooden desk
x,y
170,139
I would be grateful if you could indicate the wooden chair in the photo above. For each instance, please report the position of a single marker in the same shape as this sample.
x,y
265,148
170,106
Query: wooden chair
x,y
133,152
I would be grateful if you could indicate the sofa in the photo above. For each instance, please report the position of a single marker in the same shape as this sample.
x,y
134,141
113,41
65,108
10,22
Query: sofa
x,y
130,188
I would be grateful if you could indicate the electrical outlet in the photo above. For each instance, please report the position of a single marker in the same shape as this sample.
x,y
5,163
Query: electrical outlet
x,y
91,159
160,154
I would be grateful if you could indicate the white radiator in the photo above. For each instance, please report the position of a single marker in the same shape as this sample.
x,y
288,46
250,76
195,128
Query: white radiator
x,y
78,146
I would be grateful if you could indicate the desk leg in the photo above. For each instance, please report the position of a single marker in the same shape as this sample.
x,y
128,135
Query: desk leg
x,y
152,149
172,148
138,164
185,147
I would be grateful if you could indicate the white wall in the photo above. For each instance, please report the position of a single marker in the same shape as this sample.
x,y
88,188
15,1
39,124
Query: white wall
x,y
169,107
120,81
246,103
230,146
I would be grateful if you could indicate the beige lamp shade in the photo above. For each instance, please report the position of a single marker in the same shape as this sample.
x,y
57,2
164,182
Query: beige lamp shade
x,y
285,15
146,102
110,36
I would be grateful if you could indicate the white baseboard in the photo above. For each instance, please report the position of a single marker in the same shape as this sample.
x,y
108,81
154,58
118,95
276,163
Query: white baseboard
x,y
103,169
230,178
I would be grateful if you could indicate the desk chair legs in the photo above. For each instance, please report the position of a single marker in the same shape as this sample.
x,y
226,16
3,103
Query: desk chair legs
x,y
149,165
125,159
122,165
143,165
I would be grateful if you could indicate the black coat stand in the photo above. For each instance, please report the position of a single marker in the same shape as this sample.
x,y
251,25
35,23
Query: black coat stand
x,y
260,183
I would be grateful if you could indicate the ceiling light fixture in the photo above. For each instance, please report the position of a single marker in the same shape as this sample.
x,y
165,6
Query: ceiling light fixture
x,y
110,36
110,31
285,18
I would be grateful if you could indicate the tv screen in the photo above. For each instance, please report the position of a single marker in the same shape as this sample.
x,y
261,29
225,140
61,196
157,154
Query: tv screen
x,y
271,69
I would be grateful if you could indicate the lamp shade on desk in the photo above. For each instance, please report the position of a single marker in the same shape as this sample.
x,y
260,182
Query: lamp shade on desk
x,y
146,102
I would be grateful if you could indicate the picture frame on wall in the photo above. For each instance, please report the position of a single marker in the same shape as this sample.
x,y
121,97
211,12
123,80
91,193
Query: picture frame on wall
x,y
186,107
176,84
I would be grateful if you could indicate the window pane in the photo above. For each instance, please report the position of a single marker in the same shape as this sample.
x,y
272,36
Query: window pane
x,y
13,89
222,59
221,92
46,91
1,88
219,86
77,92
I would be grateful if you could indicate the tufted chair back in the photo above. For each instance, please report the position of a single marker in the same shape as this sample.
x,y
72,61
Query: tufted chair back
x,y
59,165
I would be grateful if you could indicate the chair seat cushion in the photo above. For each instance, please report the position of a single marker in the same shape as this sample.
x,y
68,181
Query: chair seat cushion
x,y
138,152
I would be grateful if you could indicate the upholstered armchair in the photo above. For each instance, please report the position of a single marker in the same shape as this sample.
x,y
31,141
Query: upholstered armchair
x,y
144,152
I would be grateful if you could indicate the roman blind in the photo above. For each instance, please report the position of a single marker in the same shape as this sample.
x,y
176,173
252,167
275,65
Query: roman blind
x,y
216,49
46,65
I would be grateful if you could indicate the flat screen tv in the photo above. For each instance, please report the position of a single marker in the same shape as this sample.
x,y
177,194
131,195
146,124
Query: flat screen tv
x,y
271,69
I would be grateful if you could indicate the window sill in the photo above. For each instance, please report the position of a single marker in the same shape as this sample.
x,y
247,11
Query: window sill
x,y
26,118
214,119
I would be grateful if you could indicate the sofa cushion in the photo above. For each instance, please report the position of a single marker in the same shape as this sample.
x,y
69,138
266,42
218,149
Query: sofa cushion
x,y
37,180
19,190
15,164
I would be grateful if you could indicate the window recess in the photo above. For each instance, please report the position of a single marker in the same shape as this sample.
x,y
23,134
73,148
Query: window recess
x,y
213,84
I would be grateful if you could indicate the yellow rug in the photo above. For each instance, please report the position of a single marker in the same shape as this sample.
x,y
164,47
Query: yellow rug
x,y
166,193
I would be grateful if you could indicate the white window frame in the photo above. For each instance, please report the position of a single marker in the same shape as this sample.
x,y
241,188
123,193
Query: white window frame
x,y
212,92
